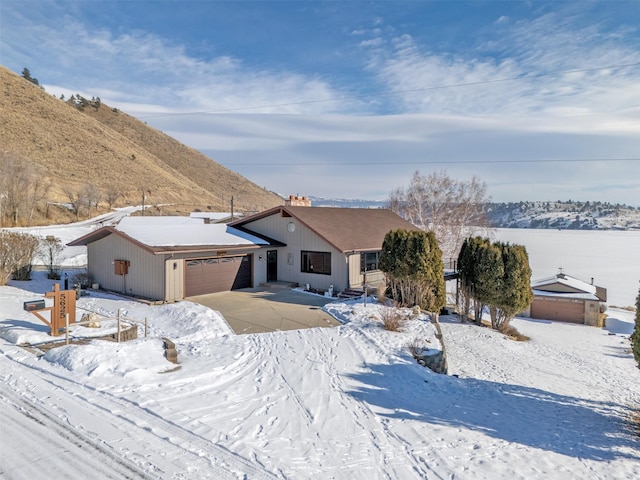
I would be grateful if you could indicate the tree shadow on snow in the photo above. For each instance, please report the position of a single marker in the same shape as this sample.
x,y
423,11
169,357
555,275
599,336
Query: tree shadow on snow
x,y
36,326
562,424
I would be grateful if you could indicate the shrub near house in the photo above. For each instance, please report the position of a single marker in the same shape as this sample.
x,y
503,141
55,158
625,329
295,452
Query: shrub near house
x,y
497,275
412,263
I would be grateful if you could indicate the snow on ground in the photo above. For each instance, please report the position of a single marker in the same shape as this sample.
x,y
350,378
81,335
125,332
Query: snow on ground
x,y
342,403
76,256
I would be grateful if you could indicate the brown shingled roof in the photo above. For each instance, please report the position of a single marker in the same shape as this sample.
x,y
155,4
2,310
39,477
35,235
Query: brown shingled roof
x,y
347,229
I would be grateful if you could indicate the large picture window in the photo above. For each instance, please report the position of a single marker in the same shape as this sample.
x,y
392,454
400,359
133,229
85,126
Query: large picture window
x,y
316,262
369,261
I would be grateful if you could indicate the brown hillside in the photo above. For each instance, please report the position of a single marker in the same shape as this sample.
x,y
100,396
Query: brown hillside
x,y
110,149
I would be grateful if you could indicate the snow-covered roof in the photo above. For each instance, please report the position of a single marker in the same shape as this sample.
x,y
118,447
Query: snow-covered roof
x,y
579,296
190,235
159,220
566,280
215,216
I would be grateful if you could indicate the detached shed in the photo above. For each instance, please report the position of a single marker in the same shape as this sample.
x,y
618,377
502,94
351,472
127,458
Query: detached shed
x,y
568,299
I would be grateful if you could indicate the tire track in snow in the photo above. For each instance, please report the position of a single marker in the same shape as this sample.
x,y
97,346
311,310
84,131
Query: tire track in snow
x,y
160,437
387,443
29,421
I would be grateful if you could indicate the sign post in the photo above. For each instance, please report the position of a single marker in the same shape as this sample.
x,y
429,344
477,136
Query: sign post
x,y
64,304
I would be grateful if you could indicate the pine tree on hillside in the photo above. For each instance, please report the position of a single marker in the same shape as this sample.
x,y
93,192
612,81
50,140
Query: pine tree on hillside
x,y
26,74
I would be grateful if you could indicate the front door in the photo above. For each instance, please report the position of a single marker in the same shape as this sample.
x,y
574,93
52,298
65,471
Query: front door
x,y
272,265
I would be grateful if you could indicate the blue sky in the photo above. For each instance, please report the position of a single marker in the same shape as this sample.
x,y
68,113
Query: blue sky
x,y
347,99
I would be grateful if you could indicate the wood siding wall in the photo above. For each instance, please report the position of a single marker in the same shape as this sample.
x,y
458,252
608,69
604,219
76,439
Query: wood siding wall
x,y
289,257
145,277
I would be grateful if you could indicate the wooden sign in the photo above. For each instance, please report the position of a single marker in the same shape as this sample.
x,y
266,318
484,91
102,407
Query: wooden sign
x,y
64,302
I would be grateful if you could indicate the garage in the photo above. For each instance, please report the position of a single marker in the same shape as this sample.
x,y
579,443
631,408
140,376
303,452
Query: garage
x,y
217,274
556,308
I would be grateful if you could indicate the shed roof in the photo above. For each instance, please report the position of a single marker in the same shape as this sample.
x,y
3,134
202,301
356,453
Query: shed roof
x,y
566,284
578,296
347,229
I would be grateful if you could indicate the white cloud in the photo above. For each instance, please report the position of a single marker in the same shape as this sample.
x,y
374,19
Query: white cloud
x,y
374,42
531,53
144,68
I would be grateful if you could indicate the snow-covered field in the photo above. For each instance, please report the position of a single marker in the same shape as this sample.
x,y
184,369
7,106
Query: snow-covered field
x,y
341,403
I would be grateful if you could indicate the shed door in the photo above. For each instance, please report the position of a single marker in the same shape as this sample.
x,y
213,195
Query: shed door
x,y
562,309
217,274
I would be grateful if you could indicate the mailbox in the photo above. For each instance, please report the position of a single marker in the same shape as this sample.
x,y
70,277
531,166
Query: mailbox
x,y
34,305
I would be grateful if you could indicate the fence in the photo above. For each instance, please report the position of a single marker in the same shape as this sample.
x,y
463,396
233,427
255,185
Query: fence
x,y
120,320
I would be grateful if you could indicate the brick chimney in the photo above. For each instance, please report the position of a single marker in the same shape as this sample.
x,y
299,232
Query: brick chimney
x,y
296,201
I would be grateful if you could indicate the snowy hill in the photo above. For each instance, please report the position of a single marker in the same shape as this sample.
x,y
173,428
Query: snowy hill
x,y
567,215
564,215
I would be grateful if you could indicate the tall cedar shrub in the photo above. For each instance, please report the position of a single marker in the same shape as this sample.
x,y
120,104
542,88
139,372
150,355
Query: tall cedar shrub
x,y
635,338
412,263
516,294
497,275
470,271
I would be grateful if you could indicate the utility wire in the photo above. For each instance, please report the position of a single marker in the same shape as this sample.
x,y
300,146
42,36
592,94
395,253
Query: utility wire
x,y
436,162
396,92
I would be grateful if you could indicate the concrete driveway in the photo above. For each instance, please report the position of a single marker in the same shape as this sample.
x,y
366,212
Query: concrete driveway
x,y
258,310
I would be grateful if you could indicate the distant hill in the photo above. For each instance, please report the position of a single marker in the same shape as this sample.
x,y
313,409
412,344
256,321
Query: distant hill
x,y
564,215
347,202
76,146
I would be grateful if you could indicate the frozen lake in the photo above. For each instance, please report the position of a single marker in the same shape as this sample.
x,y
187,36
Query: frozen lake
x,y
611,258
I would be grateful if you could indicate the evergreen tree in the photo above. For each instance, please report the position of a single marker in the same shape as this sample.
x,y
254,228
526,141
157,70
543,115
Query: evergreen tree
x,y
496,275
489,274
412,263
26,74
635,338
516,294
467,260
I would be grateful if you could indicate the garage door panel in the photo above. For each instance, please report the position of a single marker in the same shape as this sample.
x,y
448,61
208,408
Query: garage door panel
x,y
217,274
561,309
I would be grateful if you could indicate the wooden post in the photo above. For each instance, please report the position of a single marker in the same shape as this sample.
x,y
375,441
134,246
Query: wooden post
x,y
118,334
66,329
64,303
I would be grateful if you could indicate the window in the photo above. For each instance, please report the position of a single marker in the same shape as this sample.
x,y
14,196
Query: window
x,y
369,261
316,262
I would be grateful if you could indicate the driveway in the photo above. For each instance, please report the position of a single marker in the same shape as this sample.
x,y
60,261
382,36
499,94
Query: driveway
x,y
258,310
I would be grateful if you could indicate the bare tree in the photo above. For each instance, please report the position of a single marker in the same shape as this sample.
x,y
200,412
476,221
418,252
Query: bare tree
x,y
17,251
16,177
22,190
452,209
50,252
39,194
76,200
91,195
112,196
